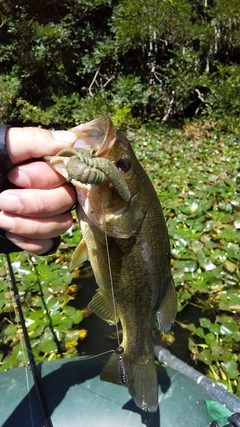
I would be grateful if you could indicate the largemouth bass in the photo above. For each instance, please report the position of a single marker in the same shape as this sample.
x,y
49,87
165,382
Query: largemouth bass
x,y
119,212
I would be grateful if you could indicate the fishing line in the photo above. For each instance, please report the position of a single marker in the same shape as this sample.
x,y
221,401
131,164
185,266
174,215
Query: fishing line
x,y
42,404
93,356
122,374
110,276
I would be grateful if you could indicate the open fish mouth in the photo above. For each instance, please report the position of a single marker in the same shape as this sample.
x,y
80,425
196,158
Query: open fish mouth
x,y
98,134
96,138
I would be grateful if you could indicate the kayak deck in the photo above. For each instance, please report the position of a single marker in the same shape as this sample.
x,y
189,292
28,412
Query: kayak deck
x,y
75,396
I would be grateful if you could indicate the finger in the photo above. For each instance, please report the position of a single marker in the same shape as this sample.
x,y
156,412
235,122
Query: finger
x,y
31,142
34,228
35,246
35,203
36,174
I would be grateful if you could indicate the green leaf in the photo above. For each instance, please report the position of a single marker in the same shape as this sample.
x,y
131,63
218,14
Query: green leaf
x,y
77,317
210,338
229,234
47,343
66,323
10,331
71,336
228,328
205,262
212,327
206,356
56,318
69,310
187,266
196,245
230,368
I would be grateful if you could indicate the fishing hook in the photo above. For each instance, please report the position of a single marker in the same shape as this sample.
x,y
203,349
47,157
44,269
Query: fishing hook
x,y
41,400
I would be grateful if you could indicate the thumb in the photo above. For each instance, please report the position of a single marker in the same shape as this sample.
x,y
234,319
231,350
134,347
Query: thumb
x,y
31,142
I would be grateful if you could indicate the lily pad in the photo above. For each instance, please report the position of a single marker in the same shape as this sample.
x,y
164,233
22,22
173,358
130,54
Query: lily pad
x,y
186,266
205,262
47,343
230,368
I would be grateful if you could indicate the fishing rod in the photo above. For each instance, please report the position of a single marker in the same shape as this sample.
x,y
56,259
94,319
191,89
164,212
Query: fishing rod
x,y
40,396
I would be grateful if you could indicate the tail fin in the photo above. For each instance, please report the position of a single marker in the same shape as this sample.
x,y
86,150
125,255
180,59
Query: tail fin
x,y
142,380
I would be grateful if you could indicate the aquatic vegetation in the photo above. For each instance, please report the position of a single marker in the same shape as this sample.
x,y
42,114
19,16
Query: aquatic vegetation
x,y
46,290
196,173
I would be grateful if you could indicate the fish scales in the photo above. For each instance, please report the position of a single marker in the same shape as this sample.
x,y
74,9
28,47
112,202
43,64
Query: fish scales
x,y
139,251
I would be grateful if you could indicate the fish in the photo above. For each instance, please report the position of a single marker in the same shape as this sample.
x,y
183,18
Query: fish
x,y
125,238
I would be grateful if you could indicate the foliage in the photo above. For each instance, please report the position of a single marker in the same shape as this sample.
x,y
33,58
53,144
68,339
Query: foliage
x,y
196,174
46,289
160,59
10,87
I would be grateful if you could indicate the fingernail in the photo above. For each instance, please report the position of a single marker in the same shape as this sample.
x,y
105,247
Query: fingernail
x,y
9,202
6,222
63,136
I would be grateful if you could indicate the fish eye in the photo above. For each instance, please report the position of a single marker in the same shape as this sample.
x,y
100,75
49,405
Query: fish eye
x,y
123,164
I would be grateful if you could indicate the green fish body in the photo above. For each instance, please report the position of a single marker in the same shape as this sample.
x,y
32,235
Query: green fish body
x,y
135,260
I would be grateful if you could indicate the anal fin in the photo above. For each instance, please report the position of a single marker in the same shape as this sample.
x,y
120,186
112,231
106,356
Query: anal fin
x,y
103,308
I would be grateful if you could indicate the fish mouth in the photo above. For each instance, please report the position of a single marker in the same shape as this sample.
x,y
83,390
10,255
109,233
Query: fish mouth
x,y
99,134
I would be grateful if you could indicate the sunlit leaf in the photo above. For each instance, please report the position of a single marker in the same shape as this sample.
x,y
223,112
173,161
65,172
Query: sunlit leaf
x,y
231,368
187,266
205,262
77,317
237,221
209,338
47,343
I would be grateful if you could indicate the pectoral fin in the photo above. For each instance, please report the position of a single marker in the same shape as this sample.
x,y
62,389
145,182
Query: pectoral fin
x,y
167,311
80,255
103,308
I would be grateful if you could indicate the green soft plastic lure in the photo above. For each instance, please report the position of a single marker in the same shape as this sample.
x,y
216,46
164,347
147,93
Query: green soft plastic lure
x,y
94,170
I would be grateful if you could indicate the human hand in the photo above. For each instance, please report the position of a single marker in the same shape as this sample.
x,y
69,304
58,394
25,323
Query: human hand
x,y
39,211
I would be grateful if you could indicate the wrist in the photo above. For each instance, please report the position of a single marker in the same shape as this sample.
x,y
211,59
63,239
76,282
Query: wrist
x,y
5,161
